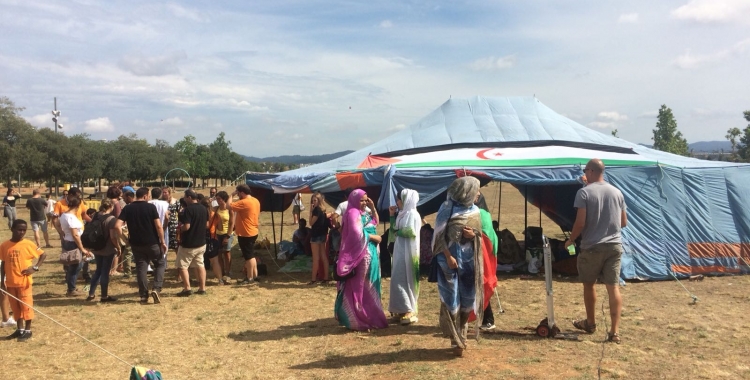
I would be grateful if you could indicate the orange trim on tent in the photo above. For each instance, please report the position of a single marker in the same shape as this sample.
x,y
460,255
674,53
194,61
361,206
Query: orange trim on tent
x,y
350,180
715,250
692,269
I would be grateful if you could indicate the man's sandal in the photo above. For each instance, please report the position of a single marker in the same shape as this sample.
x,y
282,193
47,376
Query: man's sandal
x,y
613,337
583,324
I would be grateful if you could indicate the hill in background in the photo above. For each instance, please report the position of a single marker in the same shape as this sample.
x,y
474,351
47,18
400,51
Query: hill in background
x,y
297,159
710,146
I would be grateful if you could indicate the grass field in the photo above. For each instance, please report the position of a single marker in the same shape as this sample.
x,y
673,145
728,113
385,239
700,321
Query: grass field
x,y
284,329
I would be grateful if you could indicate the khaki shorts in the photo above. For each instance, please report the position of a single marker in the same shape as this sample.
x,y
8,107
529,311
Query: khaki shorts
x,y
602,262
190,257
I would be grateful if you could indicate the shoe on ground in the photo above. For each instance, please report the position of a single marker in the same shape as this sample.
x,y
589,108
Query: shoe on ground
x,y
185,293
144,301
73,293
487,327
200,292
156,297
24,337
90,298
15,335
247,281
409,319
87,278
9,323
108,299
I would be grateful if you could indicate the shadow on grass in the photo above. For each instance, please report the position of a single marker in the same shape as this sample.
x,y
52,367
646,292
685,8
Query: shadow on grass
x,y
401,356
324,326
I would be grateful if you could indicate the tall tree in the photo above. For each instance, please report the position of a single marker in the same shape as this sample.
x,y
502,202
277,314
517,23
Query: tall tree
x,y
614,133
732,136
666,136
743,148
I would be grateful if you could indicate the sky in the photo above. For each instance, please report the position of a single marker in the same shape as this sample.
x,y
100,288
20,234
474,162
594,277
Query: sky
x,y
316,77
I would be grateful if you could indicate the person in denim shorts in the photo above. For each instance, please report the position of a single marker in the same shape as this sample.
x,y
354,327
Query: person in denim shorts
x,y
599,218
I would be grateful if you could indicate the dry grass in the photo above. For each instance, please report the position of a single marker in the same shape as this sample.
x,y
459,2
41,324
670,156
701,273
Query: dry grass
x,y
284,329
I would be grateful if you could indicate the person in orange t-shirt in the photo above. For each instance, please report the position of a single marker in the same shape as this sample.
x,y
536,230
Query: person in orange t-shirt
x,y
17,256
245,225
61,207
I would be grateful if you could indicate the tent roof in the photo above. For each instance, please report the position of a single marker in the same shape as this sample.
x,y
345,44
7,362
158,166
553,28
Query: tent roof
x,y
493,122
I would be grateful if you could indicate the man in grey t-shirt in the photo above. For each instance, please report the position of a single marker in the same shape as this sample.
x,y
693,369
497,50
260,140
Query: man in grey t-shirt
x,y
600,216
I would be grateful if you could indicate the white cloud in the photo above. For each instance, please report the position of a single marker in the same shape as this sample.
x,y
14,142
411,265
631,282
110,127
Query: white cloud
x,y
102,124
710,11
182,12
612,116
628,18
173,121
42,120
492,63
395,128
648,115
601,124
386,24
141,65
690,61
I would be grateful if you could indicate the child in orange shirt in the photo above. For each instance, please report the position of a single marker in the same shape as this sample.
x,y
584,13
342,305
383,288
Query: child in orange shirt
x,y
17,266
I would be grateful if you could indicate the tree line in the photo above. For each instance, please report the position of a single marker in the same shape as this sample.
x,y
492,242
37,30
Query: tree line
x,y
43,155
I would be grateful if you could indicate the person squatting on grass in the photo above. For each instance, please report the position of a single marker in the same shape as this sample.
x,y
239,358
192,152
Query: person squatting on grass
x,y
600,217
245,225
147,242
16,268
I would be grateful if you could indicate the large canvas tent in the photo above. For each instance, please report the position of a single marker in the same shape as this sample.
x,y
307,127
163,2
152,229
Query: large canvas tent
x,y
686,216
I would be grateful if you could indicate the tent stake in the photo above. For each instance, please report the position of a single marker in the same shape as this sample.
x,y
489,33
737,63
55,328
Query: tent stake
x,y
281,233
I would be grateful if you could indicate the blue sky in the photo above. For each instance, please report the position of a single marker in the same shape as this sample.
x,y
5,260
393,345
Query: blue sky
x,y
315,77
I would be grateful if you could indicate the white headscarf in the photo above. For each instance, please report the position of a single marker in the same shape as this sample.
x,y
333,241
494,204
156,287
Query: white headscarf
x,y
409,200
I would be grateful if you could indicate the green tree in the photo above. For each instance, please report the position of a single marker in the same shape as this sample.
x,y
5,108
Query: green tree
x,y
666,136
614,133
743,148
16,136
732,135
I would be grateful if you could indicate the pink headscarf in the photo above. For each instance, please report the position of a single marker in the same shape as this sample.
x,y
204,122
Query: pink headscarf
x,y
353,241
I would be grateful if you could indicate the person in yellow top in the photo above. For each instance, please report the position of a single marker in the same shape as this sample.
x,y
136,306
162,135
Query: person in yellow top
x,y
17,256
245,225
223,219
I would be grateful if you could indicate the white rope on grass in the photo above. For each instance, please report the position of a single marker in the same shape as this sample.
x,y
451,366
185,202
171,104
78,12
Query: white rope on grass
x,y
69,329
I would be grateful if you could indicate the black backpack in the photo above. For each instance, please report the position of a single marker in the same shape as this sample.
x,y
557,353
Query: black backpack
x,y
94,235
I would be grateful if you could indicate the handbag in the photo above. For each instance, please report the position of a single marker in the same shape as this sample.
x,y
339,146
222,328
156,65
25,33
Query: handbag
x,y
72,257
432,275
302,206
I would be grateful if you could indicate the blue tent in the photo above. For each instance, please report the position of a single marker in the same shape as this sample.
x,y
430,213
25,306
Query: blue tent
x,y
686,216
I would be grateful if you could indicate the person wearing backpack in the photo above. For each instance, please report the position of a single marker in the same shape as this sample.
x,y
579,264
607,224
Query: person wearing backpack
x,y
102,227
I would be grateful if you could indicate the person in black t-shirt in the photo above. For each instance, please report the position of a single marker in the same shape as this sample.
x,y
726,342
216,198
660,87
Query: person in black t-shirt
x,y
194,221
318,235
147,242
37,205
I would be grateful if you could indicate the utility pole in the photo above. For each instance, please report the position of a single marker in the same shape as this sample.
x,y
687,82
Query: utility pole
x,y
55,117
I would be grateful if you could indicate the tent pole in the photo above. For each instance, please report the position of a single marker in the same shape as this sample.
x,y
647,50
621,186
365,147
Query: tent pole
x,y
281,233
540,217
525,209
273,228
499,202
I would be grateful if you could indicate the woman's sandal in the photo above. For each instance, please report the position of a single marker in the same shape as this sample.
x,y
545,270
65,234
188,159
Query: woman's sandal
x,y
583,324
613,337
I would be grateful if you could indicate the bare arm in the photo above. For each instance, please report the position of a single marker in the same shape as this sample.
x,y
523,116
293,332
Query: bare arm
x,y
623,219
118,229
160,233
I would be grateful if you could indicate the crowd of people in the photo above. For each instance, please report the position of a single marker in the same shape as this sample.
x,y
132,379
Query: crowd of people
x,y
463,247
